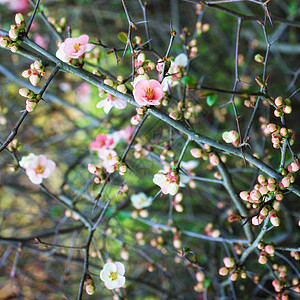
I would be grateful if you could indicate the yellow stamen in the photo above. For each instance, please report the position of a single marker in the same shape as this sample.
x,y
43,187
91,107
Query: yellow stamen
x,y
77,47
113,275
149,93
39,169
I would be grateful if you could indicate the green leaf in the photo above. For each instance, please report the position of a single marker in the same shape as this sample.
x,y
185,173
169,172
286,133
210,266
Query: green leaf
x,y
211,99
189,80
206,282
123,37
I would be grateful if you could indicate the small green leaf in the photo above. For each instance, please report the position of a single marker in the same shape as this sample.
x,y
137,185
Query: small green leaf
x,y
189,80
211,99
123,37
206,282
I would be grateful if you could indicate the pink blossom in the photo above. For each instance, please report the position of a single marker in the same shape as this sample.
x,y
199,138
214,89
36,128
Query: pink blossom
x,y
41,40
74,48
102,141
83,93
16,5
107,156
148,92
37,167
110,102
126,133
169,183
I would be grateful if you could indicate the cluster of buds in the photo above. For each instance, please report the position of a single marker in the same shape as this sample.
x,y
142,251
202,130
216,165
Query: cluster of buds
x,y
123,191
230,267
15,145
295,255
266,250
280,284
176,238
99,172
140,112
177,202
32,98
210,231
166,151
13,41
231,137
124,253
283,106
35,72
118,85
89,285
201,28
199,153
200,286
279,134
192,48
158,243
59,26
142,65
117,164
183,110
250,102
139,150
263,126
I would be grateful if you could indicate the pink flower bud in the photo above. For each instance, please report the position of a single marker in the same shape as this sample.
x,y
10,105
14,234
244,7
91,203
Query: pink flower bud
x,y
89,285
262,180
5,41
92,168
277,285
263,258
284,183
287,109
14,47
294,167
279,196
122,88
229,262
26,93
196,152
140,71
26,73
274,218
234,218
278,112
279,102
39,66
272,180
213,159
234,276
269,249
264,211
20,20
245,195
256,220
13,33
224,271
272,187
31,104
255,195
108,82
284,132
34,78
263,190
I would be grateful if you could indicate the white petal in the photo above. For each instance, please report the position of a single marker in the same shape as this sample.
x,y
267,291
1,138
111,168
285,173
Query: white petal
x,y
173,188
111,284
120,281
181,60
120,268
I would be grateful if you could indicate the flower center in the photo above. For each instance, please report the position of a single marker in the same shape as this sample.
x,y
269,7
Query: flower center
x,y
149,93
39,169
77,47
113,275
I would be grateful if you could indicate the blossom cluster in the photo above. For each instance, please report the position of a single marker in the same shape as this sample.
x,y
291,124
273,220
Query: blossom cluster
x,y
35,72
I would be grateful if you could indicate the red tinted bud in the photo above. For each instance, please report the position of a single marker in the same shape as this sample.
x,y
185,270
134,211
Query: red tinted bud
x,y
13,32
5,41
26,93
294,167
20,21
287,109
31,104
245,195
279,102
262,180
34,78
269,249
274,218
224,271
229,262
26,73
213,159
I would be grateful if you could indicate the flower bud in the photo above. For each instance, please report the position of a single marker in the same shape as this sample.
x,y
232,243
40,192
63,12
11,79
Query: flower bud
x,y
234,276
224,271
175,115
89,285
196,152
263,258
20,20
278,112
245,195
287,109
269,249
255,195
262,180
279,102
274,218
259,58
284,183
26,73
277,285
229,262
234,218
31,104
5,41
13,33
256,220
39,66
14,47
26,93
108,82
213,159
294,167
122,88
34,78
